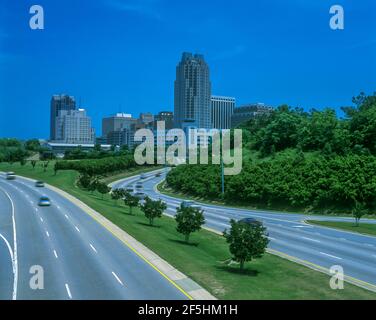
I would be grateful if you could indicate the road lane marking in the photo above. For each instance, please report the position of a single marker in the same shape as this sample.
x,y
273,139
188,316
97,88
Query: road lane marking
x,y
15,256
309,239
92,247
329,255
77,229
55,254
270,238
48,235
66,216
117,278
41,219
9,248
68,291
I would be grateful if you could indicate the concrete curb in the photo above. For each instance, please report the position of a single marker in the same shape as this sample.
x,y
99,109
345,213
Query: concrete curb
x,y
186,285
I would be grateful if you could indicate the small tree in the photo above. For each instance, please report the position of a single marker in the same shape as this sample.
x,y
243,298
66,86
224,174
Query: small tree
x,y
117,194
130,200
358,212
246,241
153,209
103,188
92,186
45,165
33,163
189,220
22,162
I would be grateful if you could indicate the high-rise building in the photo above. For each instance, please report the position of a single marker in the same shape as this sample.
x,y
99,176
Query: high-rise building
x,y
116,122
222,109
192,92
146,118
248,112
165,116
59,103
74,127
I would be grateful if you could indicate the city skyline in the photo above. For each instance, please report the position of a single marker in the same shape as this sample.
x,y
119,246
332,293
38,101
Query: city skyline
x,y
255,55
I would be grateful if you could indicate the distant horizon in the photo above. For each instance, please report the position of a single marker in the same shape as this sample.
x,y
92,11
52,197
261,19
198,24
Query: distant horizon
x,y
125,61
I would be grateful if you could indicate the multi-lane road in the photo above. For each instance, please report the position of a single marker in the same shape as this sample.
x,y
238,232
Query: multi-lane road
x,y
290,235
80,258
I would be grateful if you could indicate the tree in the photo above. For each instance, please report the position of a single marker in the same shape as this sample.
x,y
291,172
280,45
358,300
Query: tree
x,y
246,241
45,165
153,209
32,145
130,200
84,180
103,188
189,220
33,163
358,212
117,194
93,185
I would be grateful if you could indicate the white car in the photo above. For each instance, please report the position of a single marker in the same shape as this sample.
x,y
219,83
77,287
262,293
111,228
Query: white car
x,y
44,201
10,176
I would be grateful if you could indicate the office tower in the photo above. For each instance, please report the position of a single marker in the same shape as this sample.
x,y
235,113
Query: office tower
x,y
74,127
248,112
165,116
146,118
59,103
192,92
222,109
116,122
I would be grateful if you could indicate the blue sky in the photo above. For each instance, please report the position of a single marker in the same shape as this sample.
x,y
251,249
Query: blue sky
x,y
120,55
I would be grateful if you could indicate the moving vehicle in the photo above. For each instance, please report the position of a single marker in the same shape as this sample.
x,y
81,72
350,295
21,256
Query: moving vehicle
x,y
251,221
44,201
10,176
140,195
158,174
139,185
130,190
190,204
39,184
142,176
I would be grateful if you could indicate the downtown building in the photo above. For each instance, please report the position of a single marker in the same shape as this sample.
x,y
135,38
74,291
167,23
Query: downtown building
x,y
117,130
192,93
222,109
59,103
250,111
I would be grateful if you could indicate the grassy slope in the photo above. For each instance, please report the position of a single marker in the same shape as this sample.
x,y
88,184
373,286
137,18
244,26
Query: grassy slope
x,y
268,278
363,228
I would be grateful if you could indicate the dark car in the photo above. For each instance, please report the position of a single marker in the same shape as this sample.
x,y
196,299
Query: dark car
x,y
10,176
39,184
251,221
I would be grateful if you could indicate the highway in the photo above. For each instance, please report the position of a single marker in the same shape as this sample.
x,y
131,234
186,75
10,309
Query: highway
x,y
81,259
289,234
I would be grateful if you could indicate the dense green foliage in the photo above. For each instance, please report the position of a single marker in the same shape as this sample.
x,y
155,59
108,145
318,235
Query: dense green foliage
x,y
153,209
98,166
246,241
188,219
301,160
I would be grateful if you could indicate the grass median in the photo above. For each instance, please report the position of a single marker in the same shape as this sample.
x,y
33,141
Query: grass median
x,y
204,259
362,228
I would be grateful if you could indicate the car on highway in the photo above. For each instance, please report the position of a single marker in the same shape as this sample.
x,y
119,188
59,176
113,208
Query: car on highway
x,y
140,195
129,189
139,185
143,176
44,201
158,174
190,204
251,221
10,176
39,184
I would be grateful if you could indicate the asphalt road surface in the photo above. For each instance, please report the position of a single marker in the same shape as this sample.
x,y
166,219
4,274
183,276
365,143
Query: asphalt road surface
x,y
80,258
289,234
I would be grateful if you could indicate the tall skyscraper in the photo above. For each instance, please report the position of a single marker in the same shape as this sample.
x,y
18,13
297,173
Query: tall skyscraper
x,y
222,109
192,92
167,117
59,103
75,127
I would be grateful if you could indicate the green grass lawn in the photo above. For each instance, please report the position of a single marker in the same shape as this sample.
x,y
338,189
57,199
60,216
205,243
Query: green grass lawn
x,y
364,228
203,260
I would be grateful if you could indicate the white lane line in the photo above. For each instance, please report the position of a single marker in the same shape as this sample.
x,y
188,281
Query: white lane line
x,y
41,219
270,238
15,258
117,278
68,291
9,247
77,229
48,235
331,256
55,254
309,239
92,247
66,216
